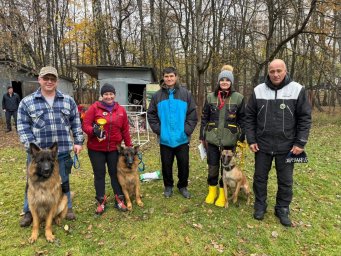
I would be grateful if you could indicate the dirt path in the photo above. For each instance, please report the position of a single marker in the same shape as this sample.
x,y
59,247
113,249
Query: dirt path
x,y
9,139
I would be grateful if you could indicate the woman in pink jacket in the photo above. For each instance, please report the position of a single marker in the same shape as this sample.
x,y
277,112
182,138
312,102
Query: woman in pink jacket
x,y
106,124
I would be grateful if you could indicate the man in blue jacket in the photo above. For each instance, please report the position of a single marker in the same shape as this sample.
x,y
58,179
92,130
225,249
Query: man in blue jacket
x,y
278,120
172,116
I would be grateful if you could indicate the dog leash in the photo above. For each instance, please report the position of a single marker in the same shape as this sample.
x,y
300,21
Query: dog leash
x,y
76,163
242,146
139,155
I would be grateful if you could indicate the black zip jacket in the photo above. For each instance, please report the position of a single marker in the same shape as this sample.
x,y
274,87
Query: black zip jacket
x,y
277,118
10,103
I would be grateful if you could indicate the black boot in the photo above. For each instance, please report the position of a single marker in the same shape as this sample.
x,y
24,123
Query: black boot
x,y
26,220
283,215
259,214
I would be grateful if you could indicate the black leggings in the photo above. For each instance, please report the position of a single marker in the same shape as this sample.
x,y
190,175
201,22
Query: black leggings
x,y
98,160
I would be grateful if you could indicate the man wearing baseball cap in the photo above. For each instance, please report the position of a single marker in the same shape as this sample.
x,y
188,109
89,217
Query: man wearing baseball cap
x,y
45,116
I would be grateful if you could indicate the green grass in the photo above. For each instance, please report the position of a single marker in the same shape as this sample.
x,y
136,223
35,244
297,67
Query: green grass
x,y
177,226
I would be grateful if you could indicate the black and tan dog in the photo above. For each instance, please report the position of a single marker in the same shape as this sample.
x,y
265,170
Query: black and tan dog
x,y
233,177
45,197
128,175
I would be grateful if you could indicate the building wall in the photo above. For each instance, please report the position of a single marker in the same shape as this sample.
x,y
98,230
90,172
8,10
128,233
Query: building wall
x,y
29,83
120,80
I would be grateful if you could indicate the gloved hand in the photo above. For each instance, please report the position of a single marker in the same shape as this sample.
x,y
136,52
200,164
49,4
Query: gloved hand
x,y
100,134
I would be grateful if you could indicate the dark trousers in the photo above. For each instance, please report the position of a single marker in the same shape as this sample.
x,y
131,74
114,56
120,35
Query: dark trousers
x,y
213,161
8,115
284,173
167,158
99,160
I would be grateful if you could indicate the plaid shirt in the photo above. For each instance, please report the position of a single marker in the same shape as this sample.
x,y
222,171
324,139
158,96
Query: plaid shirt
x,y
42,124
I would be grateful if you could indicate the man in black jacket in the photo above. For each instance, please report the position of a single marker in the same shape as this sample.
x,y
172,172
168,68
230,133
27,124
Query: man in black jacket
x,y
10,104
278,120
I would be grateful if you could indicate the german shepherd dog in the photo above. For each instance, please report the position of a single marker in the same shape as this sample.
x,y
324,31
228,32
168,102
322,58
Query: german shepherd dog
x,y
45,197
233,177
127,174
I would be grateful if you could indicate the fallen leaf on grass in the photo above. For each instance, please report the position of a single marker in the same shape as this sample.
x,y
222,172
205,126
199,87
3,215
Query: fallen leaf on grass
x,y
274,234
88,236
198,226
39,253
249,226
218,247
187,240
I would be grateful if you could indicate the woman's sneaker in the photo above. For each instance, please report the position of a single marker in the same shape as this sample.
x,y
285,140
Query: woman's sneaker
x,y
101,205
119,203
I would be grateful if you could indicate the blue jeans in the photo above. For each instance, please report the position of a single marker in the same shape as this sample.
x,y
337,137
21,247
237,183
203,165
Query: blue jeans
x,y
64,174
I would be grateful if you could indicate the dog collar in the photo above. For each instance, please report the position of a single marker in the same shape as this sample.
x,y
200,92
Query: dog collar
x,y
227,167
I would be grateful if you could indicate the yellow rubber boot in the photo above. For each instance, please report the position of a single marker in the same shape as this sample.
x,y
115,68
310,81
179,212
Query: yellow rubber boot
x,y
212,194
221,199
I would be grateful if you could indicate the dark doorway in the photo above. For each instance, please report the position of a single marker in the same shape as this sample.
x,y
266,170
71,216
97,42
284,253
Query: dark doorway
x,y
136,94
17,88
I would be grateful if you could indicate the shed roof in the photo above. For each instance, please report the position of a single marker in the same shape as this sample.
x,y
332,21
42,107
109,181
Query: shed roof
x,y
93,70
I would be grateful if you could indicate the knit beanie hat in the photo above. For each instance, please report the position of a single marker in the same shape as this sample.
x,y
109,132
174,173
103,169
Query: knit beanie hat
x,y
226,74
107,88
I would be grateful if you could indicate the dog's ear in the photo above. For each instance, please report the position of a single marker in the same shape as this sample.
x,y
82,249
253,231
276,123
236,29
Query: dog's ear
x,y
34,149
137,149
54,149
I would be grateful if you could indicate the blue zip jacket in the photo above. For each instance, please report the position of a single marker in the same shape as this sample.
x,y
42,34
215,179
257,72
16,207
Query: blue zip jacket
x,y
172,115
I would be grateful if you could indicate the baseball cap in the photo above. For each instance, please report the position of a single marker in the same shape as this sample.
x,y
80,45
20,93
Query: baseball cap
x,y
48,70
